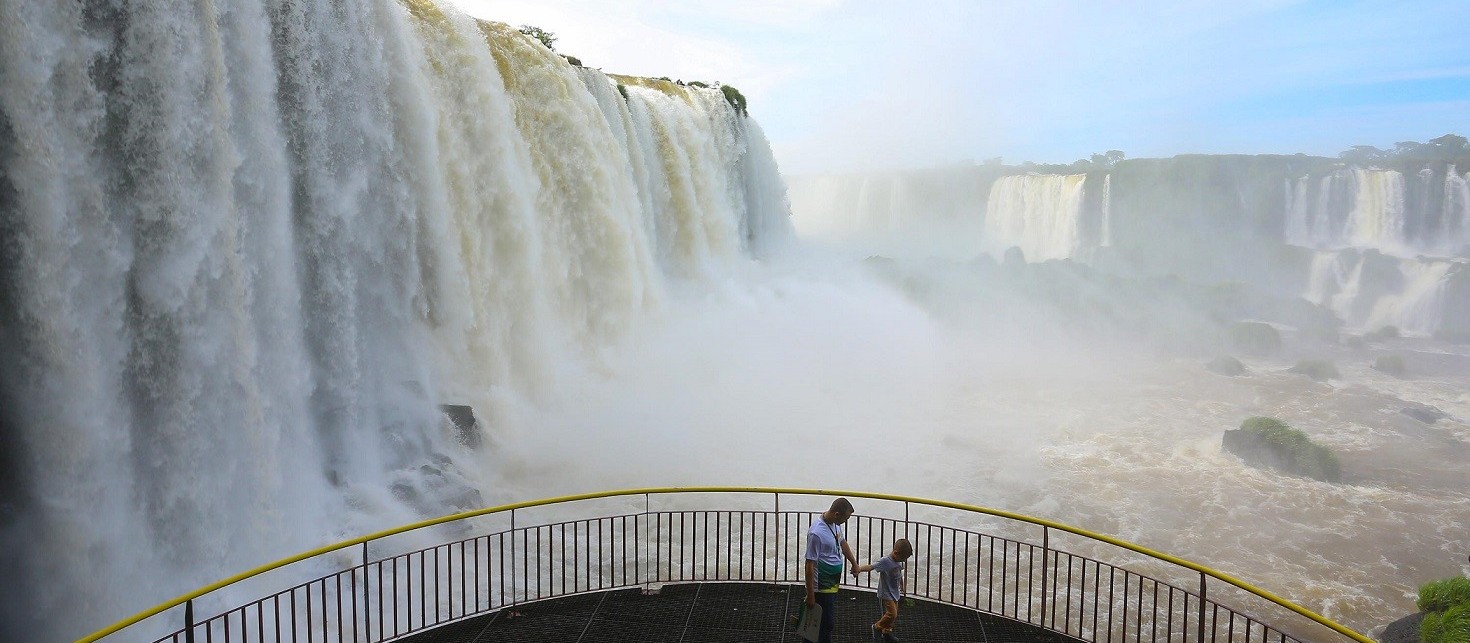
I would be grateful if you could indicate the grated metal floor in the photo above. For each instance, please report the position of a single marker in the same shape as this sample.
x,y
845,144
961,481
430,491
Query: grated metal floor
x,y
721,613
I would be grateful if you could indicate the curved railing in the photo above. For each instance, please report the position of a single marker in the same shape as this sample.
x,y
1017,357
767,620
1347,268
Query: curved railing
x,y
983,559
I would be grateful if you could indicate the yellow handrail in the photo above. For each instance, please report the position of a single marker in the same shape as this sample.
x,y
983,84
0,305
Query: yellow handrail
x,y
774,490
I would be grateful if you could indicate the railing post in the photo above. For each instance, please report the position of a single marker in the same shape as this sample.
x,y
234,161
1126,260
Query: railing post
x,y
513,549
1045,549
367,616
189,621
1201,623
648,562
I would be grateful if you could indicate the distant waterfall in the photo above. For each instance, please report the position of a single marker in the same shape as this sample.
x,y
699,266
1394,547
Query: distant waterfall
x,y
1369,290
1379,209
1040,213
1455,213
247,248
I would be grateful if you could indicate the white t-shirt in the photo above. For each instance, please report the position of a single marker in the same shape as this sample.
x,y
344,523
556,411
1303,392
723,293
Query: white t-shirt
x,y
823,542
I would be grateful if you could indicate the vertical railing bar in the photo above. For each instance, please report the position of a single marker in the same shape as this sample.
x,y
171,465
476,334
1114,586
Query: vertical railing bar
x,y
1124,634
929,547
1186,610
990,582
1112,582
1138,634
352,583
189,621
965,571
1045,551
1201,625
1030,577
1005,563
1169,622
325,619
951,564
1096,592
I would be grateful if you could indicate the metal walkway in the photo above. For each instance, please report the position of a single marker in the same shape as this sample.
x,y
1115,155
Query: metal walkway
x,y
721,613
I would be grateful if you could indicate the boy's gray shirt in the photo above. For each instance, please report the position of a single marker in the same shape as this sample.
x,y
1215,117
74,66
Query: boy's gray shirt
x,y
890,577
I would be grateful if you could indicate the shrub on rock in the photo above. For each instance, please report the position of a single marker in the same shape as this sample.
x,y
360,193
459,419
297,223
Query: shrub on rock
x,y
1271,443
1391,364
1440,595
1225,365
1316,369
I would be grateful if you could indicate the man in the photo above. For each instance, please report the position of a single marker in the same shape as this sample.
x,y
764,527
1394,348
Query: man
x,y
826,547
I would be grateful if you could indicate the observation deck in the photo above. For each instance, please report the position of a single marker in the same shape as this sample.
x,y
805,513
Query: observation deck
x,y
723,564
721,613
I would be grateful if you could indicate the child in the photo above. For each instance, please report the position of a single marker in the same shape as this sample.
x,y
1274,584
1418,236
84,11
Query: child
x,y
890,586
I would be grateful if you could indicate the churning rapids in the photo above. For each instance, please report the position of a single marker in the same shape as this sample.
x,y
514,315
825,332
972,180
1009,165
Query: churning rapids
x,y
248,248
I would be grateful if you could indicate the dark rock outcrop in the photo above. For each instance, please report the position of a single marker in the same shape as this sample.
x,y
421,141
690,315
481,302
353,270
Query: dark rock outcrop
x,y
1316,369
466,427
1424,413
1225,365
1404,630
1271,444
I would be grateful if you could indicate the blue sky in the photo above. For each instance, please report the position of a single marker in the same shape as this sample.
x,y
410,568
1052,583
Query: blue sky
x,y
843,85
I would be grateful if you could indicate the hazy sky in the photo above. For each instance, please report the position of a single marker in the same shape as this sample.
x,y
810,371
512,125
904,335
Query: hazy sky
x,y
844,84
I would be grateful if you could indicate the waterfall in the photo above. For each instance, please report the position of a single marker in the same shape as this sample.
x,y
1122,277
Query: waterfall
x,y
1360,208
1377,217
1038,213
1369,290
1455,213
247,248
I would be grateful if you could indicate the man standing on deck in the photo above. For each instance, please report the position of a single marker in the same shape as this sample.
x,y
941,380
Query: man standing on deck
x,y
826,547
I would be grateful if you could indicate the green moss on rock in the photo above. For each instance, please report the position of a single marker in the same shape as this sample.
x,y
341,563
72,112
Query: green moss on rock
x,y
1271,443
1320,370
1226,365
1391,364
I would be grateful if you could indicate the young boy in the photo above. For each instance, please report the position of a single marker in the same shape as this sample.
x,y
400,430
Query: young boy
x,y
891,586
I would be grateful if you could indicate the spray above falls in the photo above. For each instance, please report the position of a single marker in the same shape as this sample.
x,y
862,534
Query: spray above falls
x,y
246,250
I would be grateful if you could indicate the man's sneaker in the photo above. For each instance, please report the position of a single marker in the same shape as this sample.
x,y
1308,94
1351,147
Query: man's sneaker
x,y
890,638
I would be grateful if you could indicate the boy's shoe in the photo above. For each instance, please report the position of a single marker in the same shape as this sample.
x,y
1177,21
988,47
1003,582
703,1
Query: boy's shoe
x,y
890,638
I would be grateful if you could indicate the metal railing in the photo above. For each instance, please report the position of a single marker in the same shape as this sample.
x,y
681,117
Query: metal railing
x,y
1012,569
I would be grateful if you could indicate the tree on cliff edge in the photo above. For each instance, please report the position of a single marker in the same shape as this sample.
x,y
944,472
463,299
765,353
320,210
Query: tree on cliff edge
x,y
546,37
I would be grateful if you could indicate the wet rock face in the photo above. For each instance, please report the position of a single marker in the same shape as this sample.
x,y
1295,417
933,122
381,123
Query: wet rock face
x,y
1226,365
1254,450
1424,413
466,427
1404,630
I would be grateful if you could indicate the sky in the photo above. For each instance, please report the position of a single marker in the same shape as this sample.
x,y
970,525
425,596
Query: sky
x,y
847,85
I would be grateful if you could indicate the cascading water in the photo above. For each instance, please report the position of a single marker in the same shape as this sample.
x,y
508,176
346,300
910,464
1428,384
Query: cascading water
x,y
1360,210
1040,214
246,249
1365,208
